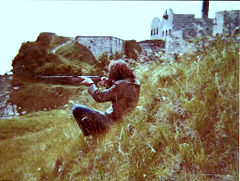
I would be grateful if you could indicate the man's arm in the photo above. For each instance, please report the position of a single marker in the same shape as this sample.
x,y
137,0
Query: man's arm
x,y
87,81
111,94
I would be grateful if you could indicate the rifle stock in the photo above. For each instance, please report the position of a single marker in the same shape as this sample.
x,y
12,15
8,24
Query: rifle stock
x,y
68,79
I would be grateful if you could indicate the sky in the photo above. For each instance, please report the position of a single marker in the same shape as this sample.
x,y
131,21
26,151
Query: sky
x,y
24,20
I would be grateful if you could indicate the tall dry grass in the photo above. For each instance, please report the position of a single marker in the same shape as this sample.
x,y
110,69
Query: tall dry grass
x,y
185,127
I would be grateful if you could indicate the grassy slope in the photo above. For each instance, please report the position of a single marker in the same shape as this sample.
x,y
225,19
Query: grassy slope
x,y
184,128
31,145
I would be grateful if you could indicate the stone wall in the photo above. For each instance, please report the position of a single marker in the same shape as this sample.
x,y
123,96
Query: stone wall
x,y
152,45
178,34
204,26
226,21
155,28
177,45
181,21
100,44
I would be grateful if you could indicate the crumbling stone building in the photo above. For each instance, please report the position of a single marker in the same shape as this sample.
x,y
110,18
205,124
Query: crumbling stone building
x,y
177,29
183,26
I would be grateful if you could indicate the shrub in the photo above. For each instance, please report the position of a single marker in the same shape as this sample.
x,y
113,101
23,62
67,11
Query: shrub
x,y
31,56
132,49
76,51
58,69
101,67
116,56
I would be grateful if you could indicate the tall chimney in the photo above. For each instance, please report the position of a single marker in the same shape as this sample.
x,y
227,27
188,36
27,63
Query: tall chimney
x,y
205,8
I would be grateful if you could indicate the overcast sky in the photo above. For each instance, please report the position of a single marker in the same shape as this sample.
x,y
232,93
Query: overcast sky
x,y
23,21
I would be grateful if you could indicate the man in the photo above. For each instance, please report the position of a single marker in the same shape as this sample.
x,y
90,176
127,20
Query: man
x,y
122,90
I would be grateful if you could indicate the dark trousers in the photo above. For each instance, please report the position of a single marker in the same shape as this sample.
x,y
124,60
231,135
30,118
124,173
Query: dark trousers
x,y
91,121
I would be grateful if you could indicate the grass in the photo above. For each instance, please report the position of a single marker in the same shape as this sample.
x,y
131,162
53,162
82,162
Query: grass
x,y
31,145
56,41
185,127
76,52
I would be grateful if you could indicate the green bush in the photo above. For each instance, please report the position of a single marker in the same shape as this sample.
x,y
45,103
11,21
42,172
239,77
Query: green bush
x,y
58,69
76,51
116,56
101,67
132,49
31,56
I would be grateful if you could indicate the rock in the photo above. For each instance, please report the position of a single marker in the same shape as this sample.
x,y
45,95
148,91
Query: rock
x,y
147,51
71,102
236,31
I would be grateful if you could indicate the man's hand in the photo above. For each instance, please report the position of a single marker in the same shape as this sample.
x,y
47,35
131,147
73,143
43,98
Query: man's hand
x,y
87,82
104,82
83,81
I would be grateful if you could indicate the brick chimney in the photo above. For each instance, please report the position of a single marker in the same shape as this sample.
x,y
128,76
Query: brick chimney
x,y
205,8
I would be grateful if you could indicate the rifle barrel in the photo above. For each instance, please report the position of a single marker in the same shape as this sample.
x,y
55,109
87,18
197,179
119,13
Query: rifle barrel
x,y
67,79
69,76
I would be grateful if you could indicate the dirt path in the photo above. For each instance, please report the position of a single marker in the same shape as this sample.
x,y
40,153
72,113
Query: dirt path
x,y
60,46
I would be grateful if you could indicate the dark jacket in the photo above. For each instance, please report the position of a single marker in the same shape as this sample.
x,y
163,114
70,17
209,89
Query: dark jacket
x,y
124,95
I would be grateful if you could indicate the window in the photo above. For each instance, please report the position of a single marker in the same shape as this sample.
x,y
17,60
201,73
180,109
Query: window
x,y
157,31
151,32
170,32
166,32
163,33
154,32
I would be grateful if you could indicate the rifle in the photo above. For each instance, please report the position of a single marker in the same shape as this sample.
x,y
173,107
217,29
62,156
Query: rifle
x,y
68,79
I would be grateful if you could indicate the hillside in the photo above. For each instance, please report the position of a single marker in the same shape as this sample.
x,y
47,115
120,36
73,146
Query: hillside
x,y
47,56
185,126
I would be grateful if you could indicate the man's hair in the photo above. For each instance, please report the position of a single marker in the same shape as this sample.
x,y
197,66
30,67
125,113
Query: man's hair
x,y
119,70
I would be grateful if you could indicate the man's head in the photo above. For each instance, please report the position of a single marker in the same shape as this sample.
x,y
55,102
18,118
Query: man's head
x,y
119,70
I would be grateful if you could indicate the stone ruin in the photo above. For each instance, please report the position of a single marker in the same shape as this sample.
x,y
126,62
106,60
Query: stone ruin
x,y
100,44
183,26
177,29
